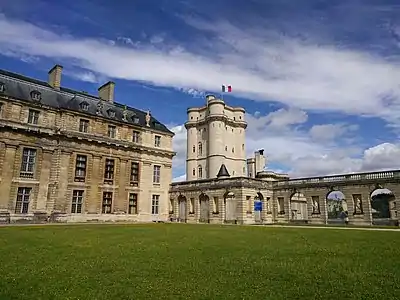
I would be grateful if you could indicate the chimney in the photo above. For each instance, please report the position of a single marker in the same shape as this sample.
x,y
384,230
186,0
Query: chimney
x,y
259,161
55,77
106,91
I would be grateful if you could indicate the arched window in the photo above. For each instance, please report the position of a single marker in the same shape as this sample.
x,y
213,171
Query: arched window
x,y
194,172
200,172
194,149
200,148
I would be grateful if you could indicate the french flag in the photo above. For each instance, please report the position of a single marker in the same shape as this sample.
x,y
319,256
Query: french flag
x,y
226,88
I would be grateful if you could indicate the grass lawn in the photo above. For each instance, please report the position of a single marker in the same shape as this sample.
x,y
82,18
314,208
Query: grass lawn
x,y
177,261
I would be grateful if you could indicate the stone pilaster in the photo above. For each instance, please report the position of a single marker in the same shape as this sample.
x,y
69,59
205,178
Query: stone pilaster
x,y
62,179
44,180
7,176
94,197
121,198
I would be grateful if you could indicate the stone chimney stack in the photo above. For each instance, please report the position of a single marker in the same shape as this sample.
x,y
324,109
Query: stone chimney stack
x,y
106,91
259,161
55,77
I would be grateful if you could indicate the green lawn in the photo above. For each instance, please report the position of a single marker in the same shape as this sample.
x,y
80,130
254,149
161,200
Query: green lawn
x,y
177,261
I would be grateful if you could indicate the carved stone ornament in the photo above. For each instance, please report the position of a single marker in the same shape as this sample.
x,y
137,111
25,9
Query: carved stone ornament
x,y
148,117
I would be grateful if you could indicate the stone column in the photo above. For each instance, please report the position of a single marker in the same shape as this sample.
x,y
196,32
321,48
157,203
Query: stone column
x,y
93,199
7,176
44,179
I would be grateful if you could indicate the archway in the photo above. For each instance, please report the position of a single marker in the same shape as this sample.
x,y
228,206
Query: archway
x,y
336,207
382,200
182,208
258,207
204,208
230,207
298,207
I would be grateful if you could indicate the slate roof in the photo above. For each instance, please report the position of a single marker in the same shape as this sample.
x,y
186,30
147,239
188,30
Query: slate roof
x,y
21,87
223,172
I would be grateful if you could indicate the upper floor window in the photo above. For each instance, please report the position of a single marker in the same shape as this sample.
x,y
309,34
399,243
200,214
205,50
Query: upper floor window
x,y
156,174
157,141
28,162
136,136
109,171
83,125
35,95
33,117
194,172
80,168
84,105
200,149
194,149
134,173
2,87
112,131
200,172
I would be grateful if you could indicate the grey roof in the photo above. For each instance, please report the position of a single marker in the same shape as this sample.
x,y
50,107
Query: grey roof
x,y
223,172
21,87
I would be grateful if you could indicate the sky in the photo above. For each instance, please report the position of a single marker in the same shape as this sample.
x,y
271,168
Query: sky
x,y
320,80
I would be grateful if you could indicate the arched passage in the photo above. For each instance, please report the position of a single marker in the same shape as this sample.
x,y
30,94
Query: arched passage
x,y
381,201
298,207
204,208
230,207
336,206
182,201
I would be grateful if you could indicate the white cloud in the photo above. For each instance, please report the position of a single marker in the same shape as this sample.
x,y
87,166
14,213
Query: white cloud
x,y
86,76
302,152
259,64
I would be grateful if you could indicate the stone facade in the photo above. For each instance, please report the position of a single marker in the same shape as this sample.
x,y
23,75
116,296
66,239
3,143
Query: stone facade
x,y
73,157
266,197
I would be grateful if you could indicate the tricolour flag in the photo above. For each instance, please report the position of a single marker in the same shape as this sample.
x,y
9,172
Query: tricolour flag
x,y
226,88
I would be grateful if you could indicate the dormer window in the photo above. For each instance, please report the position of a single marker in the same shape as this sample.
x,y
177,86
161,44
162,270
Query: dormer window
x,y
136,120
111,113
84,105
2,87
35,95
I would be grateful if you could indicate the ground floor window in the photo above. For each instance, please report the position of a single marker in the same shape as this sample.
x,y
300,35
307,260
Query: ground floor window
x,y
77,200
23,198
107,202
133,204
155,202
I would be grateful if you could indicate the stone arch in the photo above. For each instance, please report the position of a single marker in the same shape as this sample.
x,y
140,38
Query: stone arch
x,y
230,204
298,207
382,202
336,206
204,202
182,208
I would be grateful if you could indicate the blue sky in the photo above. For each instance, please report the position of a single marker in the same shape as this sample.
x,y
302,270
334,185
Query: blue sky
x,y
320,80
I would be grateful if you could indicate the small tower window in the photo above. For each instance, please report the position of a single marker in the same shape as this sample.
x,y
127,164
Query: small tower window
x,y
233,150
35,95
84,106
200,149
200,172
194,149
194,172
226,148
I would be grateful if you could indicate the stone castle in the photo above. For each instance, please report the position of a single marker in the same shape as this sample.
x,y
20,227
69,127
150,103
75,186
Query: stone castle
x,y
67,156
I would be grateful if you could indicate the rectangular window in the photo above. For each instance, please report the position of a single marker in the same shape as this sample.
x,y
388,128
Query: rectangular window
x,y
33,117
249,204
107,202
80,168
109,171
77,200
23,198
83,125
157,141
112,131
156,174
28,162
136,136
281,207
133,204
155,201
134,173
